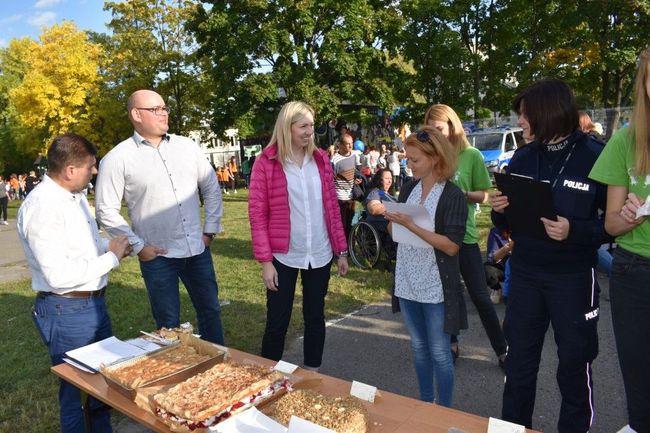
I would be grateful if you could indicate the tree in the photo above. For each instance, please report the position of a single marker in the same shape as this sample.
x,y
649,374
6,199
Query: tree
x,y
264,53
51,99
151,49
13,67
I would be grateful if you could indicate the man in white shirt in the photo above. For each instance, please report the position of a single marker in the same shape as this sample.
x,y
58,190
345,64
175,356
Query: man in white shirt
x,y
69,263
159,176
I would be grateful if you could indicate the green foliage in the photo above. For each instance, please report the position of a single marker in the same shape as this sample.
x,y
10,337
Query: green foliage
x,y
267,52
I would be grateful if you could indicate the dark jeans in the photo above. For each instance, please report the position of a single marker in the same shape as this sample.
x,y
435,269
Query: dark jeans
x,y
65,324
347,213
197,274
4,202
629,290
279,305
473,272
570,303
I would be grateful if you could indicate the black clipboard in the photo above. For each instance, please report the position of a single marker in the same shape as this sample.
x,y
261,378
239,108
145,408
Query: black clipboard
x,y
529,200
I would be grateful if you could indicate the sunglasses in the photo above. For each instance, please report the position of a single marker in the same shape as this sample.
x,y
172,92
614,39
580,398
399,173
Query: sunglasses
x,y
423,136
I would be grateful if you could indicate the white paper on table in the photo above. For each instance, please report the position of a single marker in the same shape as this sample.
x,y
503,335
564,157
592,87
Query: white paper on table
x,y
146,345
285,367
420,217
500,426
363,391
249,421
103,352
299,425
79,366
645,209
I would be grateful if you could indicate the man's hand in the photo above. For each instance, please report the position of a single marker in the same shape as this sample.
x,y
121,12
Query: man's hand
x,y
556,230
342,265
149,252
498,201
207,240
120,247
270,276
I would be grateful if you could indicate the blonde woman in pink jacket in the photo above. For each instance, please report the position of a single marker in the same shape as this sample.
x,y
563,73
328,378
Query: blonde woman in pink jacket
x,y
296,227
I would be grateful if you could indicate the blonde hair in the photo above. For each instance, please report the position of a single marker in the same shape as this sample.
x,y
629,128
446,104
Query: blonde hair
x,y
641,116
290,113
436,146
445,113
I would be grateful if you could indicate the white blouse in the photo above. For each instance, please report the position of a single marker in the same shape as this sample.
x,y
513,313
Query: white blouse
x,y
416,273
309,243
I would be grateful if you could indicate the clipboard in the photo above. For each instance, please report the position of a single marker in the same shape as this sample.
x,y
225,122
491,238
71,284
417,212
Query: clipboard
x,y
529,200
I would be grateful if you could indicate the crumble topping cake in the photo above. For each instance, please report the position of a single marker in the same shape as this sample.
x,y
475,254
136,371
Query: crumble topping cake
x,y
341,414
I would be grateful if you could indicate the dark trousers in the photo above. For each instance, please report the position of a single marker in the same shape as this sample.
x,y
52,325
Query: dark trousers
x,y
473,272
570,303
630,297
279,305
347,214
4,202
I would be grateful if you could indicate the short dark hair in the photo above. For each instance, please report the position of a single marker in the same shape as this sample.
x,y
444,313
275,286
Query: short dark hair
x,y
375,182
550,107
68,149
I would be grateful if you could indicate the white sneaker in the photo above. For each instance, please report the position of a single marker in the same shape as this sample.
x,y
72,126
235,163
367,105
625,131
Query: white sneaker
x,y
227,193
5,223
495,297
235,191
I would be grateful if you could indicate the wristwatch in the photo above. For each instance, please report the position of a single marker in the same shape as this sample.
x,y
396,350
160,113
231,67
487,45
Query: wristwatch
x,y
343,254
210,235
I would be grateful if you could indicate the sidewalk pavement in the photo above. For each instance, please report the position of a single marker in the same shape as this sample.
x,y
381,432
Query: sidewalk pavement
x,y
372,346
13,265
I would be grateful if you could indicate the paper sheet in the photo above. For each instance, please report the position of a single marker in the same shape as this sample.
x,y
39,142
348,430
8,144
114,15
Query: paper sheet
x,y
420,216
249,421
103,352
645,209
299,425
499,426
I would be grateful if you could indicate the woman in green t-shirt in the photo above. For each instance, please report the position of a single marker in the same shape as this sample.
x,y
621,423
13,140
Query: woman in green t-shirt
x,y
472,177
624,165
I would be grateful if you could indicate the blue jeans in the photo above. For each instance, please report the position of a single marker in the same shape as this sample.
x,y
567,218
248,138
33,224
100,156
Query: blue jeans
x,y
629,291
65,324
197,274
431,349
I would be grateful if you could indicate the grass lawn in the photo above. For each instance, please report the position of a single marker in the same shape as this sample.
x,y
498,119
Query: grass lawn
x,y
29,390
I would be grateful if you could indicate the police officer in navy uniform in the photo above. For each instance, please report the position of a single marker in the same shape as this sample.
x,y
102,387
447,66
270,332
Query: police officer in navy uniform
x,y
553,278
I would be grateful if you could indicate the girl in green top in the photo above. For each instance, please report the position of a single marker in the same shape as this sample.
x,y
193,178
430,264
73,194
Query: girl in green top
x,y
624,165
472,177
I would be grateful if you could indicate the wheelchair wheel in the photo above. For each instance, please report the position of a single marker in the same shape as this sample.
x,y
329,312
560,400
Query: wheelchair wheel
x,y
365,246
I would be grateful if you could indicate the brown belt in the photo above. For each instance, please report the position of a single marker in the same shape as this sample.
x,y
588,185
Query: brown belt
x,y
84,295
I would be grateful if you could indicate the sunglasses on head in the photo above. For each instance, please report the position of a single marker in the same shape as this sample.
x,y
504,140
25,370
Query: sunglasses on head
x,y
423,136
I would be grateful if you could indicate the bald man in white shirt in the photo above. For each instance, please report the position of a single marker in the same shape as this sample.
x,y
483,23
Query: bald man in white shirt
x,y
159,176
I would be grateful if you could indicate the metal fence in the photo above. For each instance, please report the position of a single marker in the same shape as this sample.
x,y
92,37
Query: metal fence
x,y
611,119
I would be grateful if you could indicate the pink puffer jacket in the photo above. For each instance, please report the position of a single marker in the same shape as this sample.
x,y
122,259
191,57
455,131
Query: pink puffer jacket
x,y
268,205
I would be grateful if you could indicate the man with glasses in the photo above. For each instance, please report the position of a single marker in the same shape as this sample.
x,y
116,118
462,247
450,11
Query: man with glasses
x,y
158,175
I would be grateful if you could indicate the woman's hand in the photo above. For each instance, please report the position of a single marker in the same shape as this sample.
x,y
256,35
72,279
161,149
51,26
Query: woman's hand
x,y
342,265
400,218
498,201
270,276
556,230
629,209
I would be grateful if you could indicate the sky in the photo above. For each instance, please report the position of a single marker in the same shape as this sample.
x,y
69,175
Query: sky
x,y
20,18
